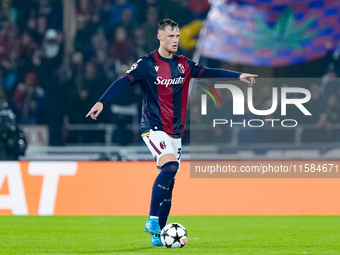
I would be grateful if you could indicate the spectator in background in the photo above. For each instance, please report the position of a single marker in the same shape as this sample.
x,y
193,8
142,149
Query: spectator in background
x,y
104,58
103,9
122,45
10,68
27,45
330,85
140,41
82,42
115,16
44,8
30,27
8,12
77,67
91,13
9,55
52,12
314,105
81,96
84,8
29,99
47,61
332,109
128,22
324,132
48,58
87,91
41,29
99,41
159,5
75,77
25,9
9,39
105,65
52,47
149,28
3,39
13,37
93,83
27,49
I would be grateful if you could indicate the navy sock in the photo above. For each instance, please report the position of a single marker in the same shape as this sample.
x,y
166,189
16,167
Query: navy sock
x,y
161,186
166,206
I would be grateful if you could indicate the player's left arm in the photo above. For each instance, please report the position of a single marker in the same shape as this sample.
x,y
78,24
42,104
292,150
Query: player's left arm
x,y
198,71
219,73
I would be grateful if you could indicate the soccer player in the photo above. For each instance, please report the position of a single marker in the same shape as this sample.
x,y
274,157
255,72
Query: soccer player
x,y
164,78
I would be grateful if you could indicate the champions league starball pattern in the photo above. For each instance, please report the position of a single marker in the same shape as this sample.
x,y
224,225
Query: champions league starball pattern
x,y
174,235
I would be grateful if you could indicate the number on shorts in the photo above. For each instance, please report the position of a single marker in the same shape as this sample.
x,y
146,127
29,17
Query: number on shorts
x,y
179,152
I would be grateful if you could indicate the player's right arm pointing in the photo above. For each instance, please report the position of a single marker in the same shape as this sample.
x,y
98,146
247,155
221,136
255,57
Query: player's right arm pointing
x,y
114,90
133,75
95,110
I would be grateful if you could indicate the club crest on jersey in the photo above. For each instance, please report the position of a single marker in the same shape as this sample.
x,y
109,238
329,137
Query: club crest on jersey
x,y
162,145
181,68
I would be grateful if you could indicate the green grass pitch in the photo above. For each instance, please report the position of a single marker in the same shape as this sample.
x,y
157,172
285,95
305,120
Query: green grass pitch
x,y
206,235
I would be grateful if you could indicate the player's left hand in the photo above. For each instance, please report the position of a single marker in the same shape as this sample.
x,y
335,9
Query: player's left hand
x,y
248,78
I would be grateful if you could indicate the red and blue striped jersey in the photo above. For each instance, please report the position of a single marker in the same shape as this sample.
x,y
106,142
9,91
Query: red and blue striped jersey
x,y
165,86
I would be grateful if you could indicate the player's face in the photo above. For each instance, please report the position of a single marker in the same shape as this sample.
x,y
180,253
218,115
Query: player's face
x,y
169,39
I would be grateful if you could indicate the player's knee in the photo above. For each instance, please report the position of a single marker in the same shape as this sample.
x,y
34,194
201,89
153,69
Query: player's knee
x,y
170,168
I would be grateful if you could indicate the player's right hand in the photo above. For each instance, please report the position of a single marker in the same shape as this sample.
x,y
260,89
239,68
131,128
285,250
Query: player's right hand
x,y
95,110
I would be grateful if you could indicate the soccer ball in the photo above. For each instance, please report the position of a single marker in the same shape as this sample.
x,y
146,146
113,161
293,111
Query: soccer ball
x,y
174,235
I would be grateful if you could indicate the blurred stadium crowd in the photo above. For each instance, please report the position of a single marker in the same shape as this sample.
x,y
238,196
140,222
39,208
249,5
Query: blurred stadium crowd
x,y
44,86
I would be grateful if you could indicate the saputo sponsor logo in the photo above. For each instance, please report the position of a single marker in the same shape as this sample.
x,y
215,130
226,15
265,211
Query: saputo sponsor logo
x,y
167,82
239,105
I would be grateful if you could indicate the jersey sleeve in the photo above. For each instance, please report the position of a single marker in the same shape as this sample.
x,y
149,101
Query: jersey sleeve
x,y
220,73
137,71
115,89
196,69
